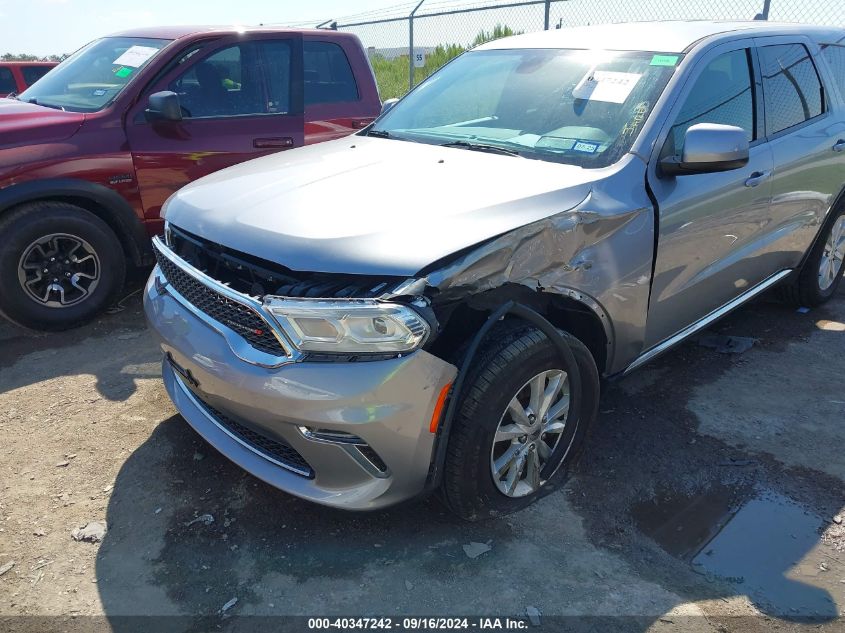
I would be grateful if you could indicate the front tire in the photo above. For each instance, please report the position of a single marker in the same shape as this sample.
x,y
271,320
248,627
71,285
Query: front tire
x,y
59,267
821,273
514,439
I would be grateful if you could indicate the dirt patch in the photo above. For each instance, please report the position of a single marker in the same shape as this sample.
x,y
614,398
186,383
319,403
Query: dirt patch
x,y
87,434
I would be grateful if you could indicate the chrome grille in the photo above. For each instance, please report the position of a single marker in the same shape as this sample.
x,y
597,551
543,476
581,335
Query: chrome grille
x,y
236,316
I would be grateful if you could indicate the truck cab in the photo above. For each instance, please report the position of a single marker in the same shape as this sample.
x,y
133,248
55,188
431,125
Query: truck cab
x,y
89,154
16,77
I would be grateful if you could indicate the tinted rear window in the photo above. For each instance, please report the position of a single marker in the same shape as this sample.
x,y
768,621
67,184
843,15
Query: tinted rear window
x,y
31,74
7,81
328,75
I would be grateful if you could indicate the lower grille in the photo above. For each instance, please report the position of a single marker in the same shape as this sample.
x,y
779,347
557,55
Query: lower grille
x,y
236,316
275,450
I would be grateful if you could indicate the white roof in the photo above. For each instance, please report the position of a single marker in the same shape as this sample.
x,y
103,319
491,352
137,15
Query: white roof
x,y
668,37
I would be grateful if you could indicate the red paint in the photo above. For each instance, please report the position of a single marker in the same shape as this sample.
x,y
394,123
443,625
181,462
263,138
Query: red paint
x,y
146,162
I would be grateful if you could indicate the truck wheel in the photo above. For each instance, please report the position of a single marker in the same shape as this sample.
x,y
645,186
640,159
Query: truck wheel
x,y
822,271
60,265
514,438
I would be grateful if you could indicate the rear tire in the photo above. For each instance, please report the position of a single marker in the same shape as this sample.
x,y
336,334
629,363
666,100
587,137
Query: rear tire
x,y
60,265
485,433
821,273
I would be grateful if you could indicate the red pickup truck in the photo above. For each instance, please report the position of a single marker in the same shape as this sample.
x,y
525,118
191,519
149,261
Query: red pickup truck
x,y
18,76
89,154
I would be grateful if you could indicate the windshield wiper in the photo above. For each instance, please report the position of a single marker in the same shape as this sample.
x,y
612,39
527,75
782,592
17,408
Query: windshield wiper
x,y
379,133
481,147
35,101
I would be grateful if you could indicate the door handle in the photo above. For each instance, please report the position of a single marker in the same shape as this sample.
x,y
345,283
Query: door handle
x,y
272,143
839,146
756,178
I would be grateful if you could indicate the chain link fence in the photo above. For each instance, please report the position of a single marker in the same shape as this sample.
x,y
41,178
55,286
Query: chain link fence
x,y
407,42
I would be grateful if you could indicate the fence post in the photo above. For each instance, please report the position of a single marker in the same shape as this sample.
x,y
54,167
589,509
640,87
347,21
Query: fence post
x,y
548,12
764,14
411,46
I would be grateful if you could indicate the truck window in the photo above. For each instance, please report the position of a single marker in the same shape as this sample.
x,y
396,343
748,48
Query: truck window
x,y
721,94
791,85
31,74
834,55
223,84
277,56
7,81
328,75
229,82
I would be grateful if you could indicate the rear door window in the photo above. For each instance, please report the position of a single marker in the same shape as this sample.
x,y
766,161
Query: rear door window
x,y
31,74
7,80
328,75
722,94
791,85
834,55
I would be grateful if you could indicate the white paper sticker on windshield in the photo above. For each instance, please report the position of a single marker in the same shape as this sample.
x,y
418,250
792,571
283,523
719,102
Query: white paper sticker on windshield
x,y
135,56
606,85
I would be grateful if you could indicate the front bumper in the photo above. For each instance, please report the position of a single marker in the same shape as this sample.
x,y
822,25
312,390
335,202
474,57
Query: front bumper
x,y
252,413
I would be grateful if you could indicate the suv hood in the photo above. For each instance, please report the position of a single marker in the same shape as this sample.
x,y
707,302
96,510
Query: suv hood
x,y
24,123
373,206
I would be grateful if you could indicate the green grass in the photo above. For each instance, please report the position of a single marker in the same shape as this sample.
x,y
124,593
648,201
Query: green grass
x,y
392,74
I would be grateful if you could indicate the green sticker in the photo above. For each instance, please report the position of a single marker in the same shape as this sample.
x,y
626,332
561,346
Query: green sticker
x,y
125,72
664,60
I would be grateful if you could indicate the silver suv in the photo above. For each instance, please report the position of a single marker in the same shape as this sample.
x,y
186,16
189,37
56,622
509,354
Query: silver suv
x,y
430,304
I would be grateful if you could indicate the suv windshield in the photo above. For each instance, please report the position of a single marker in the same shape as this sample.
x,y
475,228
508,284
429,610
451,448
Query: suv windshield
x,y
570,106
91,78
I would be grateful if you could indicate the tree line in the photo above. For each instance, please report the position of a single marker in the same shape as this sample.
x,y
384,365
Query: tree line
x,y
23,57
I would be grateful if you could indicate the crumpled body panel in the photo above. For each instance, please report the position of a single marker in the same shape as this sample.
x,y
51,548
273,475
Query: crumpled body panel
x,y
599,253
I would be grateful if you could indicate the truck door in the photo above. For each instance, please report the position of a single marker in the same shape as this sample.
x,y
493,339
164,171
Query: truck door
x,y
241,98
338,102
710,225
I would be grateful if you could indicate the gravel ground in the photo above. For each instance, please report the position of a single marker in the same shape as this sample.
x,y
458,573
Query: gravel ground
x,y
706,502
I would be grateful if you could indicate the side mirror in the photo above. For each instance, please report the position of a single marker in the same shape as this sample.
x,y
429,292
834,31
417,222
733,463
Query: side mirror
x,y
164,106
388,104
709,148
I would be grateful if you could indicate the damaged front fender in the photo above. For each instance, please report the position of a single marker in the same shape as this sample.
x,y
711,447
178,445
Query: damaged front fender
x,y
598,253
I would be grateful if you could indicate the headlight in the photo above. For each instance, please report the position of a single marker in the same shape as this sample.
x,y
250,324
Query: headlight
x,y
349,326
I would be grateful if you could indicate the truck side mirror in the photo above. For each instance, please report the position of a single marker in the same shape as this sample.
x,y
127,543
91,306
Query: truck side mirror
x,y
709,148
163,106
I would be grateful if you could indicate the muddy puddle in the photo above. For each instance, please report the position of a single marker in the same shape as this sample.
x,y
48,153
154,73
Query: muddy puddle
x,y
765,544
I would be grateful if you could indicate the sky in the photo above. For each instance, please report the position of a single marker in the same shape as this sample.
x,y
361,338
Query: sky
x,y
45,27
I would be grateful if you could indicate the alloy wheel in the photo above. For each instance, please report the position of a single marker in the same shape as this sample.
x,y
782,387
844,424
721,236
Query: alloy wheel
x,y
833,255
528,433
59,270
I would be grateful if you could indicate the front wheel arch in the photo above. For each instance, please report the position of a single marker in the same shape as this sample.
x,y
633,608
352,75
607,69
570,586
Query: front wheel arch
x,y
97,199
468,486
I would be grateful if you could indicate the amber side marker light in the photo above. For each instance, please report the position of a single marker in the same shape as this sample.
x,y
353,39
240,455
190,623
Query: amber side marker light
x,y
438,408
